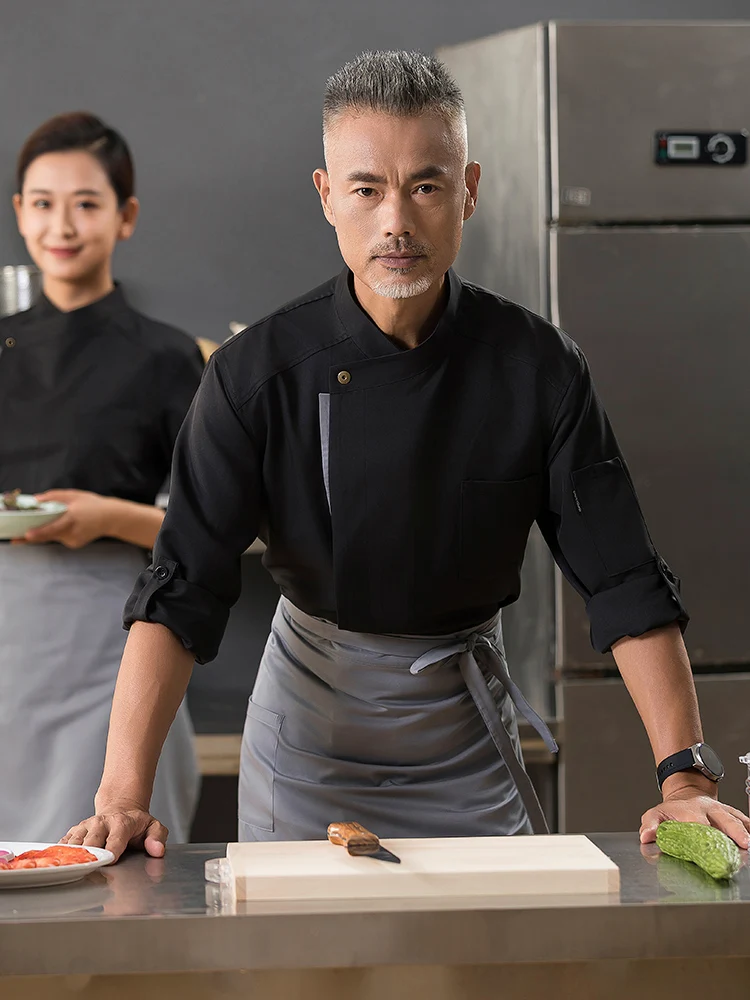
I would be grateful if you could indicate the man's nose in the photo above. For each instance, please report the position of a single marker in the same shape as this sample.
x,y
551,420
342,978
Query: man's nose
x,y
397,218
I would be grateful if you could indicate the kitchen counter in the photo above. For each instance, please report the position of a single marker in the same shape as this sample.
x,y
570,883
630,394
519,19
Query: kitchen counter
x,y
154,917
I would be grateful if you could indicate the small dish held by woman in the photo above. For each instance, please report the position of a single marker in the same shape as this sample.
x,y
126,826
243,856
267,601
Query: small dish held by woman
x,y
21,513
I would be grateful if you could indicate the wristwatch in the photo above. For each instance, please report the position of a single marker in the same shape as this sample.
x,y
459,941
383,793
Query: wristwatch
x,y
699,756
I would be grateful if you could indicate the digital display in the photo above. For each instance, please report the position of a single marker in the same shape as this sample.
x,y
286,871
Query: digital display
x,y
681,147
711,759
686,148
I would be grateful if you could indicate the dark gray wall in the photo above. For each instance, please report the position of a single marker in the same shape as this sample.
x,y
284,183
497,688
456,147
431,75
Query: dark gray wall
x,y
220,102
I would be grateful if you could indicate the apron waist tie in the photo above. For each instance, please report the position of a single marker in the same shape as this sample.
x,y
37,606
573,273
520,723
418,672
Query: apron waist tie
x,y
467,650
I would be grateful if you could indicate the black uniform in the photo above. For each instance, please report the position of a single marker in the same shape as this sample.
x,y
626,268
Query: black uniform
x,y
395,489
92,399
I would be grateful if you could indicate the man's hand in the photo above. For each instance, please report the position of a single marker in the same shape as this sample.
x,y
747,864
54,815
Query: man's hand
x,y
151,683
89,516
690,804
656,670
119,826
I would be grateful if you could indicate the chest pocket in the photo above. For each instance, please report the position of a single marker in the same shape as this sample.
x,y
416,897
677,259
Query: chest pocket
x,y
495,522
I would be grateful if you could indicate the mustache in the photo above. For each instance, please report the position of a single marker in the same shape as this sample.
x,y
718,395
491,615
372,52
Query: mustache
x,y
402,246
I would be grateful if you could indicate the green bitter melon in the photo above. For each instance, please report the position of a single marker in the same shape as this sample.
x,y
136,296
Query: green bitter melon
x,y
705,846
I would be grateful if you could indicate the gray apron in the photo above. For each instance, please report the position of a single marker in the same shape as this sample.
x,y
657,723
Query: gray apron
x,y
61,640
412,736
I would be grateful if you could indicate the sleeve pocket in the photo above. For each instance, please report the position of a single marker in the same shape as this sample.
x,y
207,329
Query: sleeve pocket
x,y
607,502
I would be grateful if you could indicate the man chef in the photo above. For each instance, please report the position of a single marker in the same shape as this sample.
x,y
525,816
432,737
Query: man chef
x,y
392,436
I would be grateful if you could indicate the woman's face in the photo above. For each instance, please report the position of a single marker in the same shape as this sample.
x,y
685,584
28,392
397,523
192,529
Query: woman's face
x,y
68,215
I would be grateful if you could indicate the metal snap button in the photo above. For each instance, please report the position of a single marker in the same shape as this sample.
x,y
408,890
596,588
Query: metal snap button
x,y
344,377
161,572
10,341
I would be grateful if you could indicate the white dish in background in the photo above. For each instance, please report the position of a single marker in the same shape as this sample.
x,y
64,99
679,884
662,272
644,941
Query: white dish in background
x,y
29,878
15,523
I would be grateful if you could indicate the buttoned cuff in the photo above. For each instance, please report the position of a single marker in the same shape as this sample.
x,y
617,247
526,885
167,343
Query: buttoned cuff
x,y
194,614
636,606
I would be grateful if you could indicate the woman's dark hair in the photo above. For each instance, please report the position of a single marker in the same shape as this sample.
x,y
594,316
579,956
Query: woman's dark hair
x,y
82,130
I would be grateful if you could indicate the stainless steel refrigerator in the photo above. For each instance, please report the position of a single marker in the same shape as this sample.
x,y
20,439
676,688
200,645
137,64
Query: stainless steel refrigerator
x,y
615,200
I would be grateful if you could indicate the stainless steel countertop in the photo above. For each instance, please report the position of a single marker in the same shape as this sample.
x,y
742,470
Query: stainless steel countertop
x,y
150,916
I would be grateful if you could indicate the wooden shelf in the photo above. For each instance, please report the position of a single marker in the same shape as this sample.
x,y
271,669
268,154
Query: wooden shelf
x,y
219,754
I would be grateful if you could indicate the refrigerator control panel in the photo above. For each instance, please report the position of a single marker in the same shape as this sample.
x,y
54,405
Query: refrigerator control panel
x,y
713,149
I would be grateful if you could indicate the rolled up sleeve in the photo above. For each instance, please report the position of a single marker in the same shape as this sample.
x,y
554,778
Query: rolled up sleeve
x,y
212,517
593,524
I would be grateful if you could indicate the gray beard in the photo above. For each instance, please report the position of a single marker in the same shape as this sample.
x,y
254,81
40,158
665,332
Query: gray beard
x,y
398,290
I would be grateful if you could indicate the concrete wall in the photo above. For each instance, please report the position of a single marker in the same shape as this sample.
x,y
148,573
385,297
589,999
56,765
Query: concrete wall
x,y
220,101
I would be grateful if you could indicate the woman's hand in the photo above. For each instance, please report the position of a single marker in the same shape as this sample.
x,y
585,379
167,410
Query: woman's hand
x,y
89,516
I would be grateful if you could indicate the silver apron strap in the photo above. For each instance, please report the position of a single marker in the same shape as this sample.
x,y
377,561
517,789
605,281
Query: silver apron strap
x,y
467,651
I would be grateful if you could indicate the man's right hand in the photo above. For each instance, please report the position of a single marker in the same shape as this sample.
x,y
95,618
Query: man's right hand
x,y
151,683
118,827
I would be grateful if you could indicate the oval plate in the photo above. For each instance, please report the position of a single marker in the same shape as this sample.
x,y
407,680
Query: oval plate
x,y
29,878
15,523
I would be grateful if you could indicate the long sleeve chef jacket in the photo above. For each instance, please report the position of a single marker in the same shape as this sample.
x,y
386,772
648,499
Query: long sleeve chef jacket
x,y
395,489
92,399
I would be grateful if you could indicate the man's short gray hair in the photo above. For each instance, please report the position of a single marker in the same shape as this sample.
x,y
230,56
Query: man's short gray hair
x,y
394,83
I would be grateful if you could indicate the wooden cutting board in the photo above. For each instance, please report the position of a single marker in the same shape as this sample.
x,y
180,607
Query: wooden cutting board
x,y
465,866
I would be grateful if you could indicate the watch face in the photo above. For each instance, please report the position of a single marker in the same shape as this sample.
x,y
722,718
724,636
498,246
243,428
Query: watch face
x,y
711,759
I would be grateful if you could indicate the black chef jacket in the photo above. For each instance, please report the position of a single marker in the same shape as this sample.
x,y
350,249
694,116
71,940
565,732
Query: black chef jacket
x,y
439,458
92,399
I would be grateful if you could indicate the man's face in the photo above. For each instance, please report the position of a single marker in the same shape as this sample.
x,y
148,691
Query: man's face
x,y
397,190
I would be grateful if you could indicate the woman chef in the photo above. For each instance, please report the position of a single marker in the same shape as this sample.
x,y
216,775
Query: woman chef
x,y
92,395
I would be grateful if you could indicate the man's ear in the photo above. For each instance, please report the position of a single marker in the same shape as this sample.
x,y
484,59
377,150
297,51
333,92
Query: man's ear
x,y
323,186
473,173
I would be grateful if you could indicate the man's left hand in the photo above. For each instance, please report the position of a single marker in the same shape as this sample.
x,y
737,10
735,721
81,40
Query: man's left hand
x,y
691,804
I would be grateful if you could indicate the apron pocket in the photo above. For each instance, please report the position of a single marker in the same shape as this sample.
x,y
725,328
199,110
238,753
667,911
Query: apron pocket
x,y
260,743
495,521
609,506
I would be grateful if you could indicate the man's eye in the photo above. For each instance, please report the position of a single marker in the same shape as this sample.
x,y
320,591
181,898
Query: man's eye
x,y
365,192
426,188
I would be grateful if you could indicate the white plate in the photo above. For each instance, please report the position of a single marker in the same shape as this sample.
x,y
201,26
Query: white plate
x,y
15,523
27,878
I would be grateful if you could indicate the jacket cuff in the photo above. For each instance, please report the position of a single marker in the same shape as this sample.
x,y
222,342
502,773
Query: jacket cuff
x,y
636,606
195,616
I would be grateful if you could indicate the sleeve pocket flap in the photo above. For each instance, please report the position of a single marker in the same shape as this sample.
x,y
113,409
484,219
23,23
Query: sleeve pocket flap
x,y
608,504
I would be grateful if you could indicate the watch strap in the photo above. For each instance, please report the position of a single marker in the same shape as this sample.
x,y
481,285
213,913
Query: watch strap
x,y
683,760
